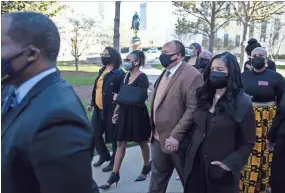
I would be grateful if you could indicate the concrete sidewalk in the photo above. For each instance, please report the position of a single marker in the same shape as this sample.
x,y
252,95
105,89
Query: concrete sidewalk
x,y
131,168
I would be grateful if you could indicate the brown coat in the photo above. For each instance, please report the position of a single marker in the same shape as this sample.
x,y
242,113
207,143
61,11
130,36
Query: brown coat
x,y
174,114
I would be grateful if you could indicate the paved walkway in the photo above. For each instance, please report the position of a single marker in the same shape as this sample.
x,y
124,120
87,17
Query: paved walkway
x,y
131,168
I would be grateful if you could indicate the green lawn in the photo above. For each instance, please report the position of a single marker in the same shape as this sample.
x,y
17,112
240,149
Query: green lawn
x,y
280,67
158,66
81,68
79,80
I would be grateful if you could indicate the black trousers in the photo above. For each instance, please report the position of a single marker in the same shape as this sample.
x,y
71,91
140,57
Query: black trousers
x,y
278,166
100,144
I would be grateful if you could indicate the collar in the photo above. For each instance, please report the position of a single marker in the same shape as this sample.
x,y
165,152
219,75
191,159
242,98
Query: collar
x,y
22,91
114,70
174,68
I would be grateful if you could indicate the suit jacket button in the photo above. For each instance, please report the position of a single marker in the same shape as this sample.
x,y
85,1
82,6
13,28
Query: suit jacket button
x,y
205,156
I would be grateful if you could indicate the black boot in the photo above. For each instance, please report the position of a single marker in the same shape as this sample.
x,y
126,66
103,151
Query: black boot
x,y
109,167
100,162
145,171
114,178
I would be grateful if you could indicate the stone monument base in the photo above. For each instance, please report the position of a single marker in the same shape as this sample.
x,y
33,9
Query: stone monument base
x,y
135,44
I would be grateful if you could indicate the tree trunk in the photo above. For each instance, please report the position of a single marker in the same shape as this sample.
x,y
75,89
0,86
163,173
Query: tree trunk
x,y
211,43
212,27
116,38
242,45
76,63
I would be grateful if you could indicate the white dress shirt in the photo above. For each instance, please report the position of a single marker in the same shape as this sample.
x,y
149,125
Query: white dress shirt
x,y
173,69
23,90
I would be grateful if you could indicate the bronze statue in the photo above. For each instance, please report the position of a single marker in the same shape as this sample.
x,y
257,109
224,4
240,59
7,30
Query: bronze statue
x,y
135,24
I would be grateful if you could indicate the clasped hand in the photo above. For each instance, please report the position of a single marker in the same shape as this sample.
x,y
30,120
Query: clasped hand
x,y
171,144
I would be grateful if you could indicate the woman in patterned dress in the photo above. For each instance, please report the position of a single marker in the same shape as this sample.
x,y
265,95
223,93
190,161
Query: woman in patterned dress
x,y
266,88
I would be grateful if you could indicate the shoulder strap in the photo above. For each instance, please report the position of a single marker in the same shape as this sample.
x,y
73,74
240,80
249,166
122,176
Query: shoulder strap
x,y
126,77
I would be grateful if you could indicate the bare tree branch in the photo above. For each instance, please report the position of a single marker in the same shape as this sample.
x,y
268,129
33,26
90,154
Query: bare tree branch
x,y
219,26
219,9
236,12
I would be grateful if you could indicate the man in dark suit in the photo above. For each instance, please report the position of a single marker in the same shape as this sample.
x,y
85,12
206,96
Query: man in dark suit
x,y
5,92
46,136
172,108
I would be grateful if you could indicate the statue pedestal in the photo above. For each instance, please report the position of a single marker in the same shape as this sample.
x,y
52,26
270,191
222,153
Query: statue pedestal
x,y
135,44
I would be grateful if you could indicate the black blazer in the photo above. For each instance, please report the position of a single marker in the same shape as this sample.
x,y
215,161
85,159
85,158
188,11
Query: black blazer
x,y
278,125
111,84
229,139
47,142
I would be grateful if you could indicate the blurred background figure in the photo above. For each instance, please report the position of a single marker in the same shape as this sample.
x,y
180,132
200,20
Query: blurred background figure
x,y
194,51
204,60
251,45
266,88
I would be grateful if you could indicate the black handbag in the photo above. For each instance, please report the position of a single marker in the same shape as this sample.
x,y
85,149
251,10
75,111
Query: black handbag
x,y
131,95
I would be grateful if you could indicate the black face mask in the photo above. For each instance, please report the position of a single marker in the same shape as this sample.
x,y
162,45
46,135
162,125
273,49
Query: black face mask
x,y
203,62
7,72
106,60
165,59
218,79
258,62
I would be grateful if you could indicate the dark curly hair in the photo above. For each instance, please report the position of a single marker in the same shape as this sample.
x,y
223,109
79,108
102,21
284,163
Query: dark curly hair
x,y
206,93
140,56
115,56
251,45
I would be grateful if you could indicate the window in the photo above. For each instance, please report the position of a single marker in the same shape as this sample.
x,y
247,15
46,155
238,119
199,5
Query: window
x,y
237,43
205,41
251,29
226,40
277,27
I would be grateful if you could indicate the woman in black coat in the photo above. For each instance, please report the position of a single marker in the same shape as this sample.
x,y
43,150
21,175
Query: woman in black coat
x,y
276,136
224,130
106,85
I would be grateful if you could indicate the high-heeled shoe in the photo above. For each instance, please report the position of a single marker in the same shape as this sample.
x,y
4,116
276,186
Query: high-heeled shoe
x,y
114,178
145,171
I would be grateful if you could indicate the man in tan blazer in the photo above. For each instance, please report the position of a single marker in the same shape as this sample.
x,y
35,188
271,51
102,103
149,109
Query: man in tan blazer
x,y
172,108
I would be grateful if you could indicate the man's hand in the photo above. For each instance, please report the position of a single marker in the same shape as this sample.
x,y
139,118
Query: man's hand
x,y
171,144
223,166
269,145
115,96
89,108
